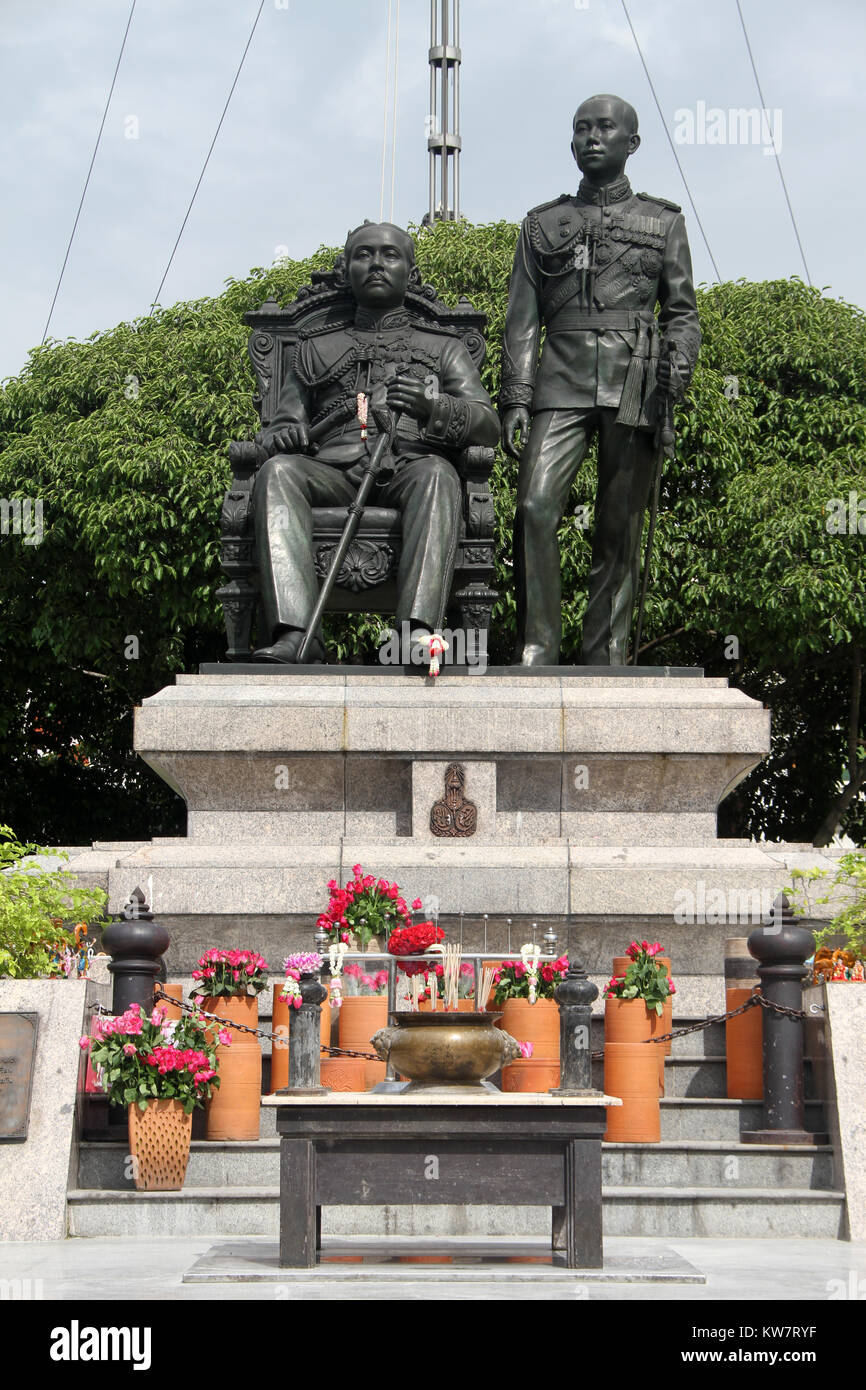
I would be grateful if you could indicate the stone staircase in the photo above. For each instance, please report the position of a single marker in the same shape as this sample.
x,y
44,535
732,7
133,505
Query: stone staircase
x,y
701,1180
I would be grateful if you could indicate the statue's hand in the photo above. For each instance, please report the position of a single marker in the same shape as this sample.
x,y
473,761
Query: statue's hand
x,y
407,394
515,420
672,374
291,439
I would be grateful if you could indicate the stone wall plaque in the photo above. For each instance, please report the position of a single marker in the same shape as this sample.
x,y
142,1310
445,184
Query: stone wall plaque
x,y
17,1061
453,815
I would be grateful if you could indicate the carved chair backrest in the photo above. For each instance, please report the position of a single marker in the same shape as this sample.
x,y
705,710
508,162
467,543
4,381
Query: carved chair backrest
x,y
327,300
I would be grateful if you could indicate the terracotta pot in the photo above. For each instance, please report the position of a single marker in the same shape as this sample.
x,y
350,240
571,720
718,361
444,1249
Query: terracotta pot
x,y
172,1012
280,1023
343,1073
744,1048
630,1021
361,1016
537,1023
620,964
631,1072
233,1111
159,1144
531,1074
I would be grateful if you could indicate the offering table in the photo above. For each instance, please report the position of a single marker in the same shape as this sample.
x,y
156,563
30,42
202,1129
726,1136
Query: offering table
x,y
425,1148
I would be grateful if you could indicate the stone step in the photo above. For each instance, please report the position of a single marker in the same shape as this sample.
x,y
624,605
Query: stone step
x,y
649,1211
702,1117
674,1164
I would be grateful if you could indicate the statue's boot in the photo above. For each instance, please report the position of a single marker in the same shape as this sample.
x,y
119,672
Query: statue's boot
x,y
534,654
284,651
419,647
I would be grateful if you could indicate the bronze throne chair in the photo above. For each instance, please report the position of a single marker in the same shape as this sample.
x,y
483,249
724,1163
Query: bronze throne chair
x,y
367,580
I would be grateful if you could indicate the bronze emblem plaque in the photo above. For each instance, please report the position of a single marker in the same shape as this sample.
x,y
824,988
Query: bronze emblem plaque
x,y
17,1056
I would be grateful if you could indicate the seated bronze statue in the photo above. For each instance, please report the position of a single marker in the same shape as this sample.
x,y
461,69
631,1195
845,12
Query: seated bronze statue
x,y
428,381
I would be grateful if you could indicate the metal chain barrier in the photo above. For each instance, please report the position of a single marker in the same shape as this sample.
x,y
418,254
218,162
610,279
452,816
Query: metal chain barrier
x,y
797,1015
238,1027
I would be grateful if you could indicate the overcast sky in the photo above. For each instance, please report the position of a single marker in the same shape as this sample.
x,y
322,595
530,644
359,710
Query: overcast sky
x,y
299,158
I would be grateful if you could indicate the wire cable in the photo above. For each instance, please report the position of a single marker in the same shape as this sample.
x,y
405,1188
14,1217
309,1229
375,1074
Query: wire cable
x,y
671,143
773,139
89,172
207,157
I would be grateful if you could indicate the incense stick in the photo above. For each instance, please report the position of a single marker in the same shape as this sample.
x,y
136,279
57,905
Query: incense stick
x,y
486,987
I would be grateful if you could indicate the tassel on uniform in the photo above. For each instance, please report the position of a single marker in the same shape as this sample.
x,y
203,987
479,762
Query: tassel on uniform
x,y
362,413
438,645
632,391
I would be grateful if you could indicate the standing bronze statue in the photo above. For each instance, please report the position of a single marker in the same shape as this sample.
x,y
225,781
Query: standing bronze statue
x,y
428,383
591,268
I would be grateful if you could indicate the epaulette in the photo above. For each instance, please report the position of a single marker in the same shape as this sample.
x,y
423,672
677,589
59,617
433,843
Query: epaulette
x,y
662,202
563,198
316,330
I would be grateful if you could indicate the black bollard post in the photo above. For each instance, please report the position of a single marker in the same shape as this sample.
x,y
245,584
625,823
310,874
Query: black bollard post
x,y
782,947
305,1040
136,945
575,995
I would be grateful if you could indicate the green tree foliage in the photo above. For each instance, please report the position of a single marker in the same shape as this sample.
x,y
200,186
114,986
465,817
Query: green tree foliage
x,y
37,904
124,439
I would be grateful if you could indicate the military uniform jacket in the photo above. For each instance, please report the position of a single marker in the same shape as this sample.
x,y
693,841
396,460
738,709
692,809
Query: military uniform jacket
x,y
591,269
330,367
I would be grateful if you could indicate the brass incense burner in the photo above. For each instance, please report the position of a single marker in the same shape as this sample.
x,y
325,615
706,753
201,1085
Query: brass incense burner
x,y
443,1049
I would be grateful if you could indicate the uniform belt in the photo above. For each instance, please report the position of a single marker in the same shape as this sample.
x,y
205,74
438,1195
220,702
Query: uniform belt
x,y
622,320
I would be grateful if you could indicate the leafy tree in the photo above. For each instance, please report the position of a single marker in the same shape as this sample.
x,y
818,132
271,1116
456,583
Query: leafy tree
x,y
123,438
35,902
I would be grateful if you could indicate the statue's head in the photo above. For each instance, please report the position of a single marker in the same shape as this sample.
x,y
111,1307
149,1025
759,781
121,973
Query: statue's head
x,y
604,135
378,265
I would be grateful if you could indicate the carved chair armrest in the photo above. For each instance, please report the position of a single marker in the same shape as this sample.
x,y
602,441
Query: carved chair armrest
x,y
475,466
476,463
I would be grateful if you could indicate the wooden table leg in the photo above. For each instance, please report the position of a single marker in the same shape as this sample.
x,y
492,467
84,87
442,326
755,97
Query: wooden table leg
x,y
297,1203
583,1239
558,1217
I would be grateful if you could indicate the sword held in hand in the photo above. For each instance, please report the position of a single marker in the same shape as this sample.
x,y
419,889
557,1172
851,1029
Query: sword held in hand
x,y
665,447
386,423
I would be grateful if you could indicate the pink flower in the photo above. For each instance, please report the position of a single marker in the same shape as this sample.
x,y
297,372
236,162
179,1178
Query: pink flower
x,y
356,870
224,1037
525,1049
84,1043
417,905
129,1049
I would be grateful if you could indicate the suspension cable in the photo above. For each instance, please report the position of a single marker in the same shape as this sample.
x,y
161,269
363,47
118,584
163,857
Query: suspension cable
x,y
207,157
671,143
89,172
773,139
